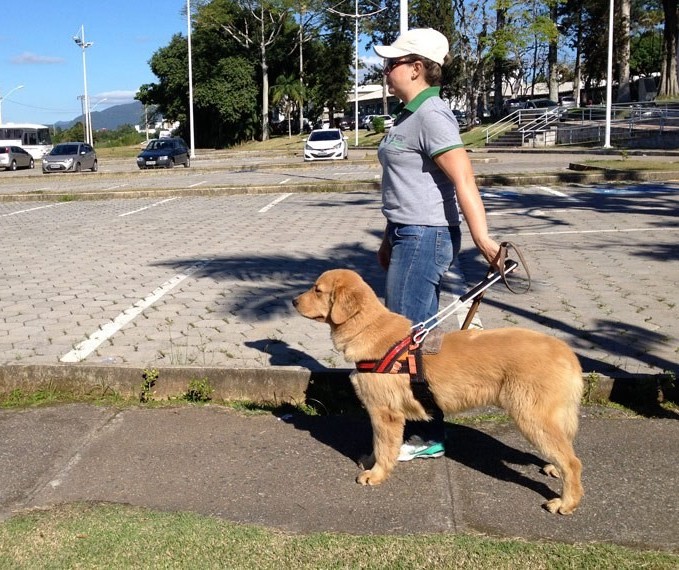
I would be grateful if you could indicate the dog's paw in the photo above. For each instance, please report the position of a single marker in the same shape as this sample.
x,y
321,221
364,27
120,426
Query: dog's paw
x,y
552,471
557,506
370,477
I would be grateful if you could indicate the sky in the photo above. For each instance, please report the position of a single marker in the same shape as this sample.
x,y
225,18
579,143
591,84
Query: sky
x,y
37,51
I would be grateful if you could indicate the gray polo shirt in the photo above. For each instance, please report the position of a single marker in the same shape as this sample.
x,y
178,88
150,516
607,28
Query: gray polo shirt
x,y
414,190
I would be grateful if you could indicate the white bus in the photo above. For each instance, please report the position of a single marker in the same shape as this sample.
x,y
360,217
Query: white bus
x,y
35,139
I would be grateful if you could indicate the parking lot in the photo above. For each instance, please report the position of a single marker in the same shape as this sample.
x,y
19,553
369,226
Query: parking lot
x,y
191,280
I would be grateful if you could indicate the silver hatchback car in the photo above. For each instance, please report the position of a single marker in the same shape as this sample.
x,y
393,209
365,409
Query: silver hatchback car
x,y
70,157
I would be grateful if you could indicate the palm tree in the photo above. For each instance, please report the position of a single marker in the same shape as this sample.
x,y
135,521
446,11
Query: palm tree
x,y
288,93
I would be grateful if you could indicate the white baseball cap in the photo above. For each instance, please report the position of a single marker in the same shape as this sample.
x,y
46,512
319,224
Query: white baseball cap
x,y
426,42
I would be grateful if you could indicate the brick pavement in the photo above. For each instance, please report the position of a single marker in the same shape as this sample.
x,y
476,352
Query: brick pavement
x,y
603,264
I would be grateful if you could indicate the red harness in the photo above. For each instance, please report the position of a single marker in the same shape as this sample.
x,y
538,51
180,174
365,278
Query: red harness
x,y
401,358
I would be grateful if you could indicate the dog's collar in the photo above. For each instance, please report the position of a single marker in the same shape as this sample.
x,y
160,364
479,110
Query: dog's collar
x,y
399,356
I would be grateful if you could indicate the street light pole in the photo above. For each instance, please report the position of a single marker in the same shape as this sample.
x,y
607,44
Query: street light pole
x,y
356,16
609,77
188,24
83,45
403,16
5,97
92,109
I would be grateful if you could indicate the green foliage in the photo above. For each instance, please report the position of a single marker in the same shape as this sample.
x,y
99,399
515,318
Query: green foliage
x,y
75,133
150,376
378,124
199,391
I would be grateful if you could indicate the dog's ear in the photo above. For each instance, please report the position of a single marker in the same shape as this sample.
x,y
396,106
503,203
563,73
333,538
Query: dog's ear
x,y
345,302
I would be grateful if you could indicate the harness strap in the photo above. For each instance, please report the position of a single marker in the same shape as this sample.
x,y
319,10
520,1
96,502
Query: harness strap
x,y
391,363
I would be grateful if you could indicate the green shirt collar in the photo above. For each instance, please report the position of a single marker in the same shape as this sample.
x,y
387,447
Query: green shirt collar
x,y
422,96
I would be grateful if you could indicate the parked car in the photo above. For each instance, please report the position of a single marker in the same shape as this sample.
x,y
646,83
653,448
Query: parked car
x,y
543,105
568,102
388,121
364,121
345,123
70,157
13,157
462,120
164,153
511,105
326,144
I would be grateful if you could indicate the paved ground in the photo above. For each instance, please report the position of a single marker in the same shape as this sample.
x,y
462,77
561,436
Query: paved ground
x,y
192,283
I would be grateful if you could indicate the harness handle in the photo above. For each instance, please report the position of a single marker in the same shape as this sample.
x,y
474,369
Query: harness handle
x,y
506,266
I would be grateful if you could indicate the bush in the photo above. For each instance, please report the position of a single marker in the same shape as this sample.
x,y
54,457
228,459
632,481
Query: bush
x,y
378,124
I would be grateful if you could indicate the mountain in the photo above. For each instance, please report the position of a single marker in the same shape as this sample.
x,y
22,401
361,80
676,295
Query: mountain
x,y
111,118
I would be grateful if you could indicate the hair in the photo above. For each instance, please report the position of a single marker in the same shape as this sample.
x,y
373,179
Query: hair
x,y
433,70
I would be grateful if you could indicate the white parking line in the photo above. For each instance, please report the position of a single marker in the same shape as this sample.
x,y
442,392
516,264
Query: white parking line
x,y
85,348
623,231
276,201
28,210
198,183
114,187
284,181
526,212
147,207
554,192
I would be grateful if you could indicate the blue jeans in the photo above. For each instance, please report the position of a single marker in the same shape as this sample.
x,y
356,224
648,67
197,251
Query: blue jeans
x,y
420,255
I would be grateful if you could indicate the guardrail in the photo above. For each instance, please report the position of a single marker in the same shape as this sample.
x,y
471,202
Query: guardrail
x,y
585,125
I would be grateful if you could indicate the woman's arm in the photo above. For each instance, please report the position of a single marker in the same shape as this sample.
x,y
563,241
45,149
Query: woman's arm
x,y
457,166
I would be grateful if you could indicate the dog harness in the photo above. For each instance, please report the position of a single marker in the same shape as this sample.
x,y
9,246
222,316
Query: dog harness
x,y
403,357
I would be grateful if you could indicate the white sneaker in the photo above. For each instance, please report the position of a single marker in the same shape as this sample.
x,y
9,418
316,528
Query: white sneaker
x,y
429,450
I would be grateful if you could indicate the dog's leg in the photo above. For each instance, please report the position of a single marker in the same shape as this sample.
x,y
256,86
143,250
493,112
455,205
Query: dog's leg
x,y
557,447
387,428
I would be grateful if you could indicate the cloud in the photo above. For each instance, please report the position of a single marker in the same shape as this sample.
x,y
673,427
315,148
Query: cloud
x,y
119,97
367,61
28,58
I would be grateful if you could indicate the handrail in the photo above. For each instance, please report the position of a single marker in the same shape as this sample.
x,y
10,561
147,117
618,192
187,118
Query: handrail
x,y
502,125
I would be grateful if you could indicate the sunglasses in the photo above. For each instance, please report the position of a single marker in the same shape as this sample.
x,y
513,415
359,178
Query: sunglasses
x,y
391,64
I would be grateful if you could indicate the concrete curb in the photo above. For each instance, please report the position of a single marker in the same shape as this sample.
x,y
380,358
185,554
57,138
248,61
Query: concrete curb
x,y
273,385
578,174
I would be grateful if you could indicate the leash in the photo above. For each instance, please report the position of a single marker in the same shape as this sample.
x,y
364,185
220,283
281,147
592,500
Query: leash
x,y
407,354
476,293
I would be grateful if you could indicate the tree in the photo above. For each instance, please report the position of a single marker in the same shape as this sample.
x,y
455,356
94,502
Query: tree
x,y
668,76
254,25
329,65
287,92
623,51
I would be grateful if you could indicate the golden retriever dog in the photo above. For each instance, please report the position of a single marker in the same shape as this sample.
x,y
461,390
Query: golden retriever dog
x,y
536,378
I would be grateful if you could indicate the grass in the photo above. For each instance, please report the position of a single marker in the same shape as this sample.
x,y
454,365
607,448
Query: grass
x,y
113,536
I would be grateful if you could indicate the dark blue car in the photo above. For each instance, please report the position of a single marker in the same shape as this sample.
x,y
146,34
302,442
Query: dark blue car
x,y
164,153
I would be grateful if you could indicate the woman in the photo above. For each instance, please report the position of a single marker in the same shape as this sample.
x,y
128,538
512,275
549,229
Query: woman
x,y
426,176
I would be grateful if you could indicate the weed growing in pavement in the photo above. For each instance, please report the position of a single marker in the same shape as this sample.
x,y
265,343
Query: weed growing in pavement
x,y
592,382
199,391
150,376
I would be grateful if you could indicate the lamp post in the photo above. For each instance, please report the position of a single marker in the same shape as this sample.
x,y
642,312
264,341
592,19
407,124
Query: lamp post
x,y
356,16
83,45
92,109
403,16
5,97
188,25
609,77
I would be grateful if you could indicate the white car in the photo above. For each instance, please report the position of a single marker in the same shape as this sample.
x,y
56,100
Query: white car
x,y
388,121
326,144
